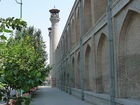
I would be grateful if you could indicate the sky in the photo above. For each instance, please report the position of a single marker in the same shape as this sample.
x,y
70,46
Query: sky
x,y
36,13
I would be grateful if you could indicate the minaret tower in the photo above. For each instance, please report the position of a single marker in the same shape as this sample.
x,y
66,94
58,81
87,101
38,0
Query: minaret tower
x,y
50,55
54,34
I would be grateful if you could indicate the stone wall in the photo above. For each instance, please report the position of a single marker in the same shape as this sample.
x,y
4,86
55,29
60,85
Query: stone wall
x,y
94,80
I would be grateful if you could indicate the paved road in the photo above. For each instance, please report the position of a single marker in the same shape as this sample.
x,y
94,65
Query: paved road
x,y
52,96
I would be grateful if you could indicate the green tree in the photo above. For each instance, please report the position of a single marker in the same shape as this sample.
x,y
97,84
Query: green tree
x,y
23,62
10,24
39,46
7,26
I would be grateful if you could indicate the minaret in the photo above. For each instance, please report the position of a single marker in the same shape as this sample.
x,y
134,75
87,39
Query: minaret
x,y
54,39
50,55
54,34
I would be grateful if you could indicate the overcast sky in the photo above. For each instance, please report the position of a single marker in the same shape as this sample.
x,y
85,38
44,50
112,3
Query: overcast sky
x,y
36,12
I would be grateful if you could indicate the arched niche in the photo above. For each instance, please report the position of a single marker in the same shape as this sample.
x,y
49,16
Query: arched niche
x,y
67,80
87,67
64,80
78,25
102,79
87,15
69,36
73,72
73,33
129,57
78,71
66,41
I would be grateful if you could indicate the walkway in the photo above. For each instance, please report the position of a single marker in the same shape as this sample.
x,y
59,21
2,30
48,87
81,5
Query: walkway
x,y
52,96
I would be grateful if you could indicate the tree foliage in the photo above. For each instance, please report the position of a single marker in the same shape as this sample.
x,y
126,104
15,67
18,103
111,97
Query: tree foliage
x,y
22,61
8,25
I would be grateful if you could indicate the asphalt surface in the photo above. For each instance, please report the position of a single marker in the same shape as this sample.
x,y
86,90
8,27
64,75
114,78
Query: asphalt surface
x,y
52,96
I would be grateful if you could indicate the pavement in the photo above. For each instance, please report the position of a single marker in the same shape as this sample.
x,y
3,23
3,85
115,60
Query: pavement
x,y
53,96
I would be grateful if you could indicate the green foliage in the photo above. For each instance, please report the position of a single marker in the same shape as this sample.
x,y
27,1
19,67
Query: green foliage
x,y
18,58
22,62
2,92
9,25
12,23
24,66
2,37
25,100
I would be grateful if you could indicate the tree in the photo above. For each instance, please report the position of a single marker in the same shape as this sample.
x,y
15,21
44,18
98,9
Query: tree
x,y
22,62
7,26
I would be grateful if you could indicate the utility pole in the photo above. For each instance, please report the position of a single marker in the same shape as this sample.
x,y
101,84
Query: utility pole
x,y
111,54
20,3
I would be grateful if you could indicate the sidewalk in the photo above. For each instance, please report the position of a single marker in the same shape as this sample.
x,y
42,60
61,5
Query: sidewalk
x,y
52,96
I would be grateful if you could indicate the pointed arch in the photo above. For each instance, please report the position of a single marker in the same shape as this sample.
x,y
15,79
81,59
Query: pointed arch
x,y
87,15
67,84
73,33
78,71
129,57
73,72
64,80
69,36
102,79
78,25
66,41
87,66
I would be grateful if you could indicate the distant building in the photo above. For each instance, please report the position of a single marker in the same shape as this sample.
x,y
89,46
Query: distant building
x,y
98,55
